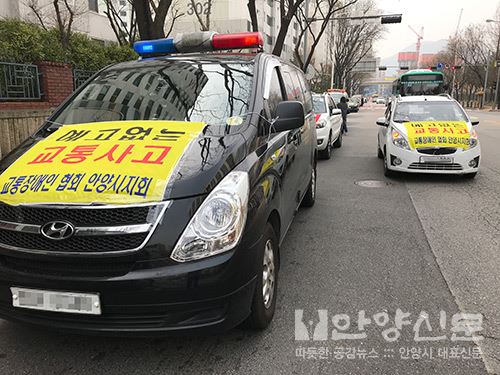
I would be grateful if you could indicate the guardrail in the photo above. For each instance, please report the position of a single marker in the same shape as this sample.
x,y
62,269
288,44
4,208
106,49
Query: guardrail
x,y
19,82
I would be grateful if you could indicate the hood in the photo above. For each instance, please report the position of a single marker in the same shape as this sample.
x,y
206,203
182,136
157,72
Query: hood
x,y
89,164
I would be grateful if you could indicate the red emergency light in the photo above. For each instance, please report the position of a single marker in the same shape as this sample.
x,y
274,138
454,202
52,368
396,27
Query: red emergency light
x,y
237,40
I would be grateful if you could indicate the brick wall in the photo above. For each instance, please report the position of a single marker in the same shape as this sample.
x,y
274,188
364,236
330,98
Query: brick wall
x,y
56,85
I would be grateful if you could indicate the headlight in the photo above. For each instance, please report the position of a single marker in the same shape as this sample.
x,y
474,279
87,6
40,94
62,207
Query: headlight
x,y
320,124
399,140
473,141
218,224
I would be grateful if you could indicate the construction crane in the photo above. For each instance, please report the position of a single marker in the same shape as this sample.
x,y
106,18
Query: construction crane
x,y
419,39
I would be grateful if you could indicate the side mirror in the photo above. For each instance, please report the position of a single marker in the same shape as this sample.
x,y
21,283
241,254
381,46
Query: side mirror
x,y
474,121
336,111
382,121
290,115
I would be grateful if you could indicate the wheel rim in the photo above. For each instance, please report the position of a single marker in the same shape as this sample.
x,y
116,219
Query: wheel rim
x,y
268,275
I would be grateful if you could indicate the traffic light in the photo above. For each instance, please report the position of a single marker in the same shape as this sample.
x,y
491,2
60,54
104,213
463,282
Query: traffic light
x,y
393,18
382,68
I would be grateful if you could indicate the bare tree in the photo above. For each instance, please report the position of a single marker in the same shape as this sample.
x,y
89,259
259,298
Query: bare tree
x,y
125,30
202,12
353,41
313,26
288,9
151,16
61,13
252,11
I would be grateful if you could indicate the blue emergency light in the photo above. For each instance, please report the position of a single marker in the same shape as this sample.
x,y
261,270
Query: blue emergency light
x,y
198,42
158,46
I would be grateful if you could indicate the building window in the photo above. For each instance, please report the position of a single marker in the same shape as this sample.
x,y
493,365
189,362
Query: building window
x,y
295,25
294,40
93,5
123,13
270,3
269,21
123,3
249,26
269,39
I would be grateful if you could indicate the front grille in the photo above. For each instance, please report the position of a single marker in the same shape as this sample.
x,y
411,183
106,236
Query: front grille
x,y
78,244
436,166
437,151
80,268
83,217
99,229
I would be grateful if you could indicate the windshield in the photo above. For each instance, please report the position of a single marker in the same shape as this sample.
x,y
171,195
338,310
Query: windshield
x,y
428,111
163,90
336,97
319,104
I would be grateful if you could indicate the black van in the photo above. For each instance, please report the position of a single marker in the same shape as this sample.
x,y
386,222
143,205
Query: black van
x,y
94,242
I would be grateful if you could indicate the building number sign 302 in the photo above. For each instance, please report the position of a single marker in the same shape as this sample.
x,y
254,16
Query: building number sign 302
x,y
198,7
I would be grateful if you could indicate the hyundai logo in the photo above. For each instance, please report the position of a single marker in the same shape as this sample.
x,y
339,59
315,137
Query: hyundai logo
x,y
57,230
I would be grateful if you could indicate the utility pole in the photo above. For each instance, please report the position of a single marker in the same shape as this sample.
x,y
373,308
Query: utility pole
x,y
305,34
485,80
332,54
454,54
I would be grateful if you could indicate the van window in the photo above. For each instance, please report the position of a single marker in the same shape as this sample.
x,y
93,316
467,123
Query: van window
x,y
306,93
292,85
275,93
167,90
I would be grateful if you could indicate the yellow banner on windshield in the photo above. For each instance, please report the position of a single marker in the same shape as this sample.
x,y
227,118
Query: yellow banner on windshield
x,y
106,162
438,134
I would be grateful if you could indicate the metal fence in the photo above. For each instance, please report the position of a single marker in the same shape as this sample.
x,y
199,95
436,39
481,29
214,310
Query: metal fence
x,y
19,82
80,76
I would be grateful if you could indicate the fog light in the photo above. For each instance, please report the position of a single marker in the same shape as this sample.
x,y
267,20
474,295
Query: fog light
x,y
397,161
473,163
320,142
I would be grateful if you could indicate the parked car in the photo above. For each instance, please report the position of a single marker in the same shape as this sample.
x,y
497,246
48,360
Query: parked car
x,y
428,134
353,105
156,198
328,124
380,100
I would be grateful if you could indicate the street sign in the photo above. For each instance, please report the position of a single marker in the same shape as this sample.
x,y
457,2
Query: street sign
x,y
366,66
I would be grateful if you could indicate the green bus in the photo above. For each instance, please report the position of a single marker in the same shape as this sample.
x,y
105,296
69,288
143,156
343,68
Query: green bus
x,y
419,82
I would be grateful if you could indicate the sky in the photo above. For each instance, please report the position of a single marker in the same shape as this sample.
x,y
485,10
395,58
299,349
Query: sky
x,y
438,17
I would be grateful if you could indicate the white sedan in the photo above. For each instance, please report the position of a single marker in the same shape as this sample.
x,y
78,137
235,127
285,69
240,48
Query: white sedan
x,y
328,124
428,134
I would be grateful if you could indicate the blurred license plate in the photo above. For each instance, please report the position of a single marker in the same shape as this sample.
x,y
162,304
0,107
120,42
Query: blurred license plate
x,y
436,159
50,300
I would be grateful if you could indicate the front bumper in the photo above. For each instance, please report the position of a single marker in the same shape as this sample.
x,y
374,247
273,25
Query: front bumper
x,y
322,137
412,161
207,296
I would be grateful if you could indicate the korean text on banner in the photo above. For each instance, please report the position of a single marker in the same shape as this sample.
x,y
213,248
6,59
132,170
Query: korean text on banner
x,y
117,162
438,134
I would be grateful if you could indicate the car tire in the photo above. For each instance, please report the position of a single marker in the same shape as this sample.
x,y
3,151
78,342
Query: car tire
x,y
327,152
310,196
338,142
380,154
470,176
387,171
264,298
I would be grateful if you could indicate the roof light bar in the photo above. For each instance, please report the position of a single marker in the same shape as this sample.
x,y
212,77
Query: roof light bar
x,y
199,42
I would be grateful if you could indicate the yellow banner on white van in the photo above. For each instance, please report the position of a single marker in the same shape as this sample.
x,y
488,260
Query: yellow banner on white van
x,y
438,134
117,162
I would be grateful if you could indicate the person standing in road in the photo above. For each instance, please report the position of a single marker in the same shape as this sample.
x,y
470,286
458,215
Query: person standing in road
x,y
343,107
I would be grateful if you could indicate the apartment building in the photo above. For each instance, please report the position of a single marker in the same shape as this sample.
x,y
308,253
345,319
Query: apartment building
x,y
89,20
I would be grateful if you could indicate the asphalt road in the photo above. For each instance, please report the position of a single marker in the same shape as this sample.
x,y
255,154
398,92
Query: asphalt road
x,y
419,244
